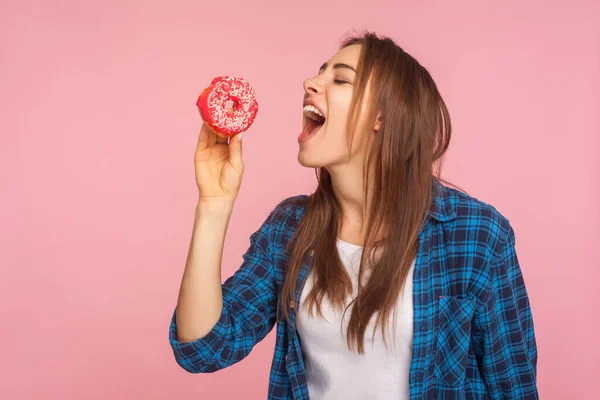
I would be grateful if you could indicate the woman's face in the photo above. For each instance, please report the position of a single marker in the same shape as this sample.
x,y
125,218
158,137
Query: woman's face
x,y
331,92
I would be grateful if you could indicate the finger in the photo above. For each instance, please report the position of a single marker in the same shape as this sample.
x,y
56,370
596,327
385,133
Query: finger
x,y
212,137
205,138
235,151
221,139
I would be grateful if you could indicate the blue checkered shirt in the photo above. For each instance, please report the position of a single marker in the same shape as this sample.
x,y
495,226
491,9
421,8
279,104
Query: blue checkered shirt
x,y
473,327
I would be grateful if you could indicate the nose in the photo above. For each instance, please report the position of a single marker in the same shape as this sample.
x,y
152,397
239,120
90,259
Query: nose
x,y
310,85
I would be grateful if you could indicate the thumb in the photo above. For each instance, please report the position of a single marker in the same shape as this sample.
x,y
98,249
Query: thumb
x,y
235,151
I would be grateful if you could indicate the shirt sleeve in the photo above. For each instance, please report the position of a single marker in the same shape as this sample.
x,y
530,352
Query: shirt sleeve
x,y
248,313
503,334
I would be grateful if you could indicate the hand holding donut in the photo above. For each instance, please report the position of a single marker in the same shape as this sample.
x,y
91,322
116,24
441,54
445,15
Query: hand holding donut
x,y
218,163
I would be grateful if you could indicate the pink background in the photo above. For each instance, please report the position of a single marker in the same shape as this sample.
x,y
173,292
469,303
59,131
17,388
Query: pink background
x,y
98,130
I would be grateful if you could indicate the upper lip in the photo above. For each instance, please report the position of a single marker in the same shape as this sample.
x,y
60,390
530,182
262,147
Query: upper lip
x,y
311,102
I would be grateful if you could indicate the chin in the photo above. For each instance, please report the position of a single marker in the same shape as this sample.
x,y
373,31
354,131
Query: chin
x,y
302,160
305,160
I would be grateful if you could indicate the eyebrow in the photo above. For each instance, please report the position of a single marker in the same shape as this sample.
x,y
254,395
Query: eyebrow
x,y
336,66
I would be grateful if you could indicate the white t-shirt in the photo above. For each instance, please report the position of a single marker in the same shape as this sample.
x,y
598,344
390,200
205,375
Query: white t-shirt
x,y
333,371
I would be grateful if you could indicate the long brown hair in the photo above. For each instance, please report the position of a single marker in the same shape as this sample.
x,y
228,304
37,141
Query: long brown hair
x,y
415,133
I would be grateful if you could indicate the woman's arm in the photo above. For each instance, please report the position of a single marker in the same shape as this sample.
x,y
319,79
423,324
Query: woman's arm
x,y
503,331
200,297
224,322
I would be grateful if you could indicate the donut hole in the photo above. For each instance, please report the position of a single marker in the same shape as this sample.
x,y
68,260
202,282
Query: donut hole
x,y
230,105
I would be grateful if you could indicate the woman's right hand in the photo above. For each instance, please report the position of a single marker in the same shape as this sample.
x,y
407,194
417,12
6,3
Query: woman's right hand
x,y
219,166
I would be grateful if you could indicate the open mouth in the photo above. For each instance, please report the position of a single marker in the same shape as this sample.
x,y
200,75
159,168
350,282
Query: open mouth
x,y
313,124
313,120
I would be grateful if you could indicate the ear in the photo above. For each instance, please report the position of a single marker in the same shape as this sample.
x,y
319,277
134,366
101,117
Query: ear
x,y
377,126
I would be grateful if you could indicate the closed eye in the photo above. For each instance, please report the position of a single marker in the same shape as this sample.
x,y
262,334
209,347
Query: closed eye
x,y
340,82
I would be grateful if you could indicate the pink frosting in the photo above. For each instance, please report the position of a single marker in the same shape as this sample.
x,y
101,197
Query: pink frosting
x,y
213,100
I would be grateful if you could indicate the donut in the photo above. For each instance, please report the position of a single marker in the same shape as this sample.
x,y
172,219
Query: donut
x,y
228,122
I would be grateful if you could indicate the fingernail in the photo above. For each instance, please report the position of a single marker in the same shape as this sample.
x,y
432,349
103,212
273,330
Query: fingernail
x,y
240,136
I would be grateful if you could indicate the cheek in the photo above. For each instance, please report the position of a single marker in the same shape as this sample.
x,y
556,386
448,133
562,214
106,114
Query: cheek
x,y
337,122
338,105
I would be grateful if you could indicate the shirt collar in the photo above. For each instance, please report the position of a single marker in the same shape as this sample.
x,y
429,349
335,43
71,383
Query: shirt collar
x,y
441,207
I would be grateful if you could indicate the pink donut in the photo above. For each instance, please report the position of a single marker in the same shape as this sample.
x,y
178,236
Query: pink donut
x,y
227,122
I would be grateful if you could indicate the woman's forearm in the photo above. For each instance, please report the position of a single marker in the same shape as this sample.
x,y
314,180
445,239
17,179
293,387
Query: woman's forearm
x,y
200,296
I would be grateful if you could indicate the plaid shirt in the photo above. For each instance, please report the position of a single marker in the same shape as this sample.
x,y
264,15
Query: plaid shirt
x,y
473,327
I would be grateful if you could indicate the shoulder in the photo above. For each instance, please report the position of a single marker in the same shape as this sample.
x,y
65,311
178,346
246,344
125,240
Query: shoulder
x,y
478,219
291,209
474,241
285,217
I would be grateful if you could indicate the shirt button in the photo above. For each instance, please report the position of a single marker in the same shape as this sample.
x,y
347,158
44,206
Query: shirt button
x,y
287,358
311,252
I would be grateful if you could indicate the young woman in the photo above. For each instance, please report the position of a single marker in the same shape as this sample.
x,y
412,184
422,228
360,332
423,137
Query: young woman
x,y
384,283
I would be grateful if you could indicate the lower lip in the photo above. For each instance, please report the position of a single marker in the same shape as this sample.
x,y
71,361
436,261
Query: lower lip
x,y
305,137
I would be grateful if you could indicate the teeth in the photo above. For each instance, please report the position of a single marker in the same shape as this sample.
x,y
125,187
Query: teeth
x,y
313,113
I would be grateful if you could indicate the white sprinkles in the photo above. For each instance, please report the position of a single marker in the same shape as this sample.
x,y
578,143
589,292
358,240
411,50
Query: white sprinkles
x,y
242,94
